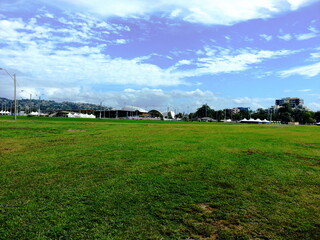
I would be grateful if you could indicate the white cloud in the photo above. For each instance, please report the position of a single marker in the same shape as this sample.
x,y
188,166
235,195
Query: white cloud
x,y
305,90
285,37
244,100
295,4
202,11
247,100
266,37
299,37
305,36
184,62
49,15
77,29
85,65
121,41
221,60
36,54
253,102
248,39
41,59
175,13
315,106
308,71
315,55
148,98
302,36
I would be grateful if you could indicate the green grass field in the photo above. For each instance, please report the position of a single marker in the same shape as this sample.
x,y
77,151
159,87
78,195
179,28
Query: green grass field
x,y
113,179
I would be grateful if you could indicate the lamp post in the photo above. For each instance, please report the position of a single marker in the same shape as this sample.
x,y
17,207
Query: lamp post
x,y
29,101
39,103
15,91
100,109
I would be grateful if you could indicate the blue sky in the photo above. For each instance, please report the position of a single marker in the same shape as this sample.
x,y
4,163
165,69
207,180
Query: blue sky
x,y
178,54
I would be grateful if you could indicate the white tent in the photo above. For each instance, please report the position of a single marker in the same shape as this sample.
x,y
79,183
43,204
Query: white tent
x,y
80,115
265,121
167,114
22,113
34,114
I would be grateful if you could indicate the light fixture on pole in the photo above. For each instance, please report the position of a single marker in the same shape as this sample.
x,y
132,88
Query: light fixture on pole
x,y
39,103
29,100
15,91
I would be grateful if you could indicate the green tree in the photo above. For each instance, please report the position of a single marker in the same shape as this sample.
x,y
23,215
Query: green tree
x,y
219,115
298,115
204,111
317,116
286,117
179,115
302,116
236,116
260,113
308,117
244,114
285,113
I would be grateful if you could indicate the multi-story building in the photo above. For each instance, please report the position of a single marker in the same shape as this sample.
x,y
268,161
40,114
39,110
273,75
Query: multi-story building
x,y
243,108
236,110
294,102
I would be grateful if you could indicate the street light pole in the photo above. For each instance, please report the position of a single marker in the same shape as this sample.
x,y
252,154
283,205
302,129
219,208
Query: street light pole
x,y
39,106
15,91
30,105
15,96
100,109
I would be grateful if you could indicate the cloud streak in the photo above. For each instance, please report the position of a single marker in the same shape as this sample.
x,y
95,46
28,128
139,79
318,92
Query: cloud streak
x,y
203,11
307,71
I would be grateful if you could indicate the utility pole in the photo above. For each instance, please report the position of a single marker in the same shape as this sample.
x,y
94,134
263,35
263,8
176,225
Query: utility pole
x,y
15,96
15,91
100,109
39,106
206,110
30,103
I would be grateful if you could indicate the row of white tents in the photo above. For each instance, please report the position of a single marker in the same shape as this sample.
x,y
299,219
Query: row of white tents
x,y
258,121
80,115
36,114
5,112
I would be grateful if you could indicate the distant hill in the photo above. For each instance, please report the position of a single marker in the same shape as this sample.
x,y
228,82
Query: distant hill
x,y
47,105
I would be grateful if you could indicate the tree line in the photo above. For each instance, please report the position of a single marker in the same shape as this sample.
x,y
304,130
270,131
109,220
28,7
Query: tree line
x,y
284,114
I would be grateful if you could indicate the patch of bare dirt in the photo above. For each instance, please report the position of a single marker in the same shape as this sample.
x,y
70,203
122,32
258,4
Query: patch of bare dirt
x,y
76,130
205,208
3,150
307,161
252,151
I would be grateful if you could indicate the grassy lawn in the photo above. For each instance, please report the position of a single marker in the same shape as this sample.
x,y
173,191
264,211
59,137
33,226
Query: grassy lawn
x,y
118,179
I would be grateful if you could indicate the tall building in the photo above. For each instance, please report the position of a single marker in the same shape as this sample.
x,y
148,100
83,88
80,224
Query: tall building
x,y
244,108
294,102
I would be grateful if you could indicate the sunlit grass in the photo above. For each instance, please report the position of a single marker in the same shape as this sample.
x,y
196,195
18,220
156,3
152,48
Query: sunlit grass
x,y
111,179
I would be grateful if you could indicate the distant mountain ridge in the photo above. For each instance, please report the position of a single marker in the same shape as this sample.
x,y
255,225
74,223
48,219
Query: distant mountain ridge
x,y
47,105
